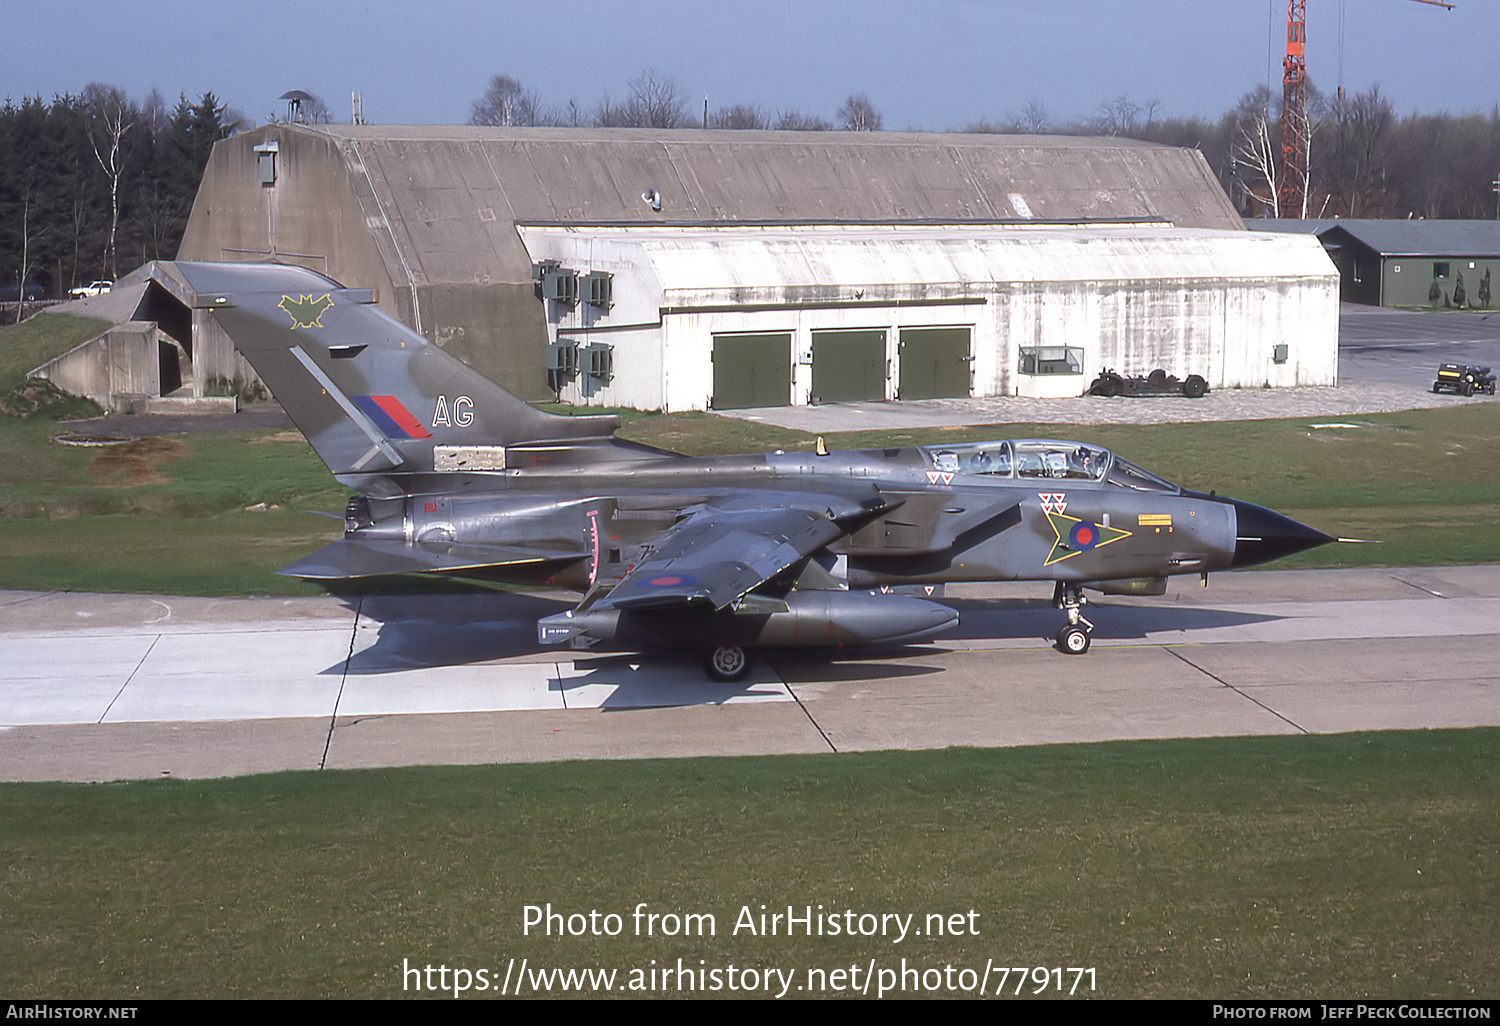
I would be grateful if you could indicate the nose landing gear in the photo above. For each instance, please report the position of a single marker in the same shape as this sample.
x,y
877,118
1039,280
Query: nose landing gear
x,y
1074,636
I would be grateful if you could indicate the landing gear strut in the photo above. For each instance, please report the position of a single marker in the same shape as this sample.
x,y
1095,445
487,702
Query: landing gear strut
x,y
1073,637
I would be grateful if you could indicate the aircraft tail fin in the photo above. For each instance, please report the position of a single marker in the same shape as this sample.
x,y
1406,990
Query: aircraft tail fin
x,y
371,395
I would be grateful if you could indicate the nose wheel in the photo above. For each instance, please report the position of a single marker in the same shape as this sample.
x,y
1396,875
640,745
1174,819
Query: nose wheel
x,y
1074,636
1073,640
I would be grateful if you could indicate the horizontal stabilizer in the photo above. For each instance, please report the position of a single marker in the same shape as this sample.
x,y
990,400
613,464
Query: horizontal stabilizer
x,y
377,557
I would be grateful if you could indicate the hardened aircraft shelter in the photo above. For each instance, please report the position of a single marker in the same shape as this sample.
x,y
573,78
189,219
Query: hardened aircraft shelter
x,y
690,269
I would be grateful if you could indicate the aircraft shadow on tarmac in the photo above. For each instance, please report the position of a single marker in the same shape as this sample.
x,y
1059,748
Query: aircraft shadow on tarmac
x,y
426,631
636,681
434,631
655,681
1012,619
669,679
805,666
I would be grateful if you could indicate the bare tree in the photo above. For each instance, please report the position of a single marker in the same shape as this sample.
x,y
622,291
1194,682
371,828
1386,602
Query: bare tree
x,y
796,121
110,119
1123,116
1034,119
858,114
572,115
1444,166
30,235
1257,149
609,114
498,104
740,116
80,225
1303,131
156,116
506,103
655,102
1361,126
1116,117
236,120
315,111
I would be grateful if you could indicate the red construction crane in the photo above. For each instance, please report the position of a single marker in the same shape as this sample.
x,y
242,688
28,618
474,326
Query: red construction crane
x,y
1294,113
1294,138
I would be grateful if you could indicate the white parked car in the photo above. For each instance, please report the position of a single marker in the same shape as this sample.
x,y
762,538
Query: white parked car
x,y
97,288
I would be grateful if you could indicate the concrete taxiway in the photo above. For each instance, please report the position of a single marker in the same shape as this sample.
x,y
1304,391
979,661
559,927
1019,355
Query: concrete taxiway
x,y
99,687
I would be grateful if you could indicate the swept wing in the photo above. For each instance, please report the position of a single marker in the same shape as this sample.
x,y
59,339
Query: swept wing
x,y
718,555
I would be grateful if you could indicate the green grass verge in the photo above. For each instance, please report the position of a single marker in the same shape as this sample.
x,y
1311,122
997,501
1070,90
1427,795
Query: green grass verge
x,y
228,554
1423,482
28,345
1351,866
36,340
174,517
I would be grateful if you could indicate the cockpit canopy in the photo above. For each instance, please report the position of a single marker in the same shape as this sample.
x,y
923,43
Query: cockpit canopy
x,y
1043,459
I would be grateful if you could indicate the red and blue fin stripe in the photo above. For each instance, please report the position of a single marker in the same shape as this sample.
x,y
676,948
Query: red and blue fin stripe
x,y
390,416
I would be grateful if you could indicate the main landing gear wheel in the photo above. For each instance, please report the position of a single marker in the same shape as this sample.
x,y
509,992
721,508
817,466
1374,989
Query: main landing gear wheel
x,y
727,664
1073,640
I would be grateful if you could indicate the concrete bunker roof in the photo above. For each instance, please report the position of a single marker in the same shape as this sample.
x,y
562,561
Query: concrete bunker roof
x,y
450,192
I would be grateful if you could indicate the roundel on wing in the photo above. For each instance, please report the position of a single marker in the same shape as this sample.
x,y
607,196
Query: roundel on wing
x,y
670,580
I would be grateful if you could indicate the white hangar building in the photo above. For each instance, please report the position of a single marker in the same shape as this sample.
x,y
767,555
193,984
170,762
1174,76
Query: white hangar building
x,y
785,315
686,269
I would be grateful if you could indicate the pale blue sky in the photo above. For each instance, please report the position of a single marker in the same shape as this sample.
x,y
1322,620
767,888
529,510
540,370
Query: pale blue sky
x,y
934,65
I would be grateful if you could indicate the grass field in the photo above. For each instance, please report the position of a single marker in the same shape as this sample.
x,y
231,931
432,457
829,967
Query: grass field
x,y
1361,865
209,514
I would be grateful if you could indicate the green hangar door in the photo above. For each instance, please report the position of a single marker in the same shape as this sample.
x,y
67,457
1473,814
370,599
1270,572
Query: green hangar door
x,y
848,366
752,370
935,363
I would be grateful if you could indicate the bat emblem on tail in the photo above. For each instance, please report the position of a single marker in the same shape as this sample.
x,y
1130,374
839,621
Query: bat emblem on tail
x,y
306,312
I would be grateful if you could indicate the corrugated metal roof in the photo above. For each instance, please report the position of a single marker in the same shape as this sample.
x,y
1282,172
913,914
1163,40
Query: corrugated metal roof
x,y
1423,238
710,259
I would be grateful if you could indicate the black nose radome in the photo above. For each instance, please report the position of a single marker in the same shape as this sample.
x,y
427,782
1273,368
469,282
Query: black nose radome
x,y
1263,535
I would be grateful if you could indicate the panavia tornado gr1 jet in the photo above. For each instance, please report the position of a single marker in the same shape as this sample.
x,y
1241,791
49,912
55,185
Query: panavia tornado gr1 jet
x,y
719,554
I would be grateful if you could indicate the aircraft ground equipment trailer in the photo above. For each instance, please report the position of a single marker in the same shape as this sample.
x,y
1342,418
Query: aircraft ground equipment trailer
x,y
1463,380
1157,383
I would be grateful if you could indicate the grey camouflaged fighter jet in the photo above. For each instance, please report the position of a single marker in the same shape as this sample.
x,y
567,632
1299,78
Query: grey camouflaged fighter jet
x,y
719,554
